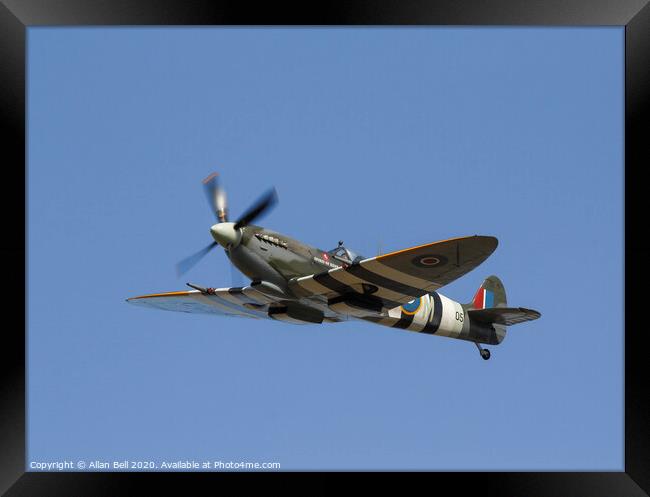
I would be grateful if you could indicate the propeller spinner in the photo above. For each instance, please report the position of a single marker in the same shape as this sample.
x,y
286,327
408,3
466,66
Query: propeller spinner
x,y
225,233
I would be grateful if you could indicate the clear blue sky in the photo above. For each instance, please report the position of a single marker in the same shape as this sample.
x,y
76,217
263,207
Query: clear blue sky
x,y
376,136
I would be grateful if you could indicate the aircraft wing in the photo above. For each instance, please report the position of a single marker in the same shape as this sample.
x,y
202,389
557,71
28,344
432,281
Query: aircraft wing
x,y
224,301
401,276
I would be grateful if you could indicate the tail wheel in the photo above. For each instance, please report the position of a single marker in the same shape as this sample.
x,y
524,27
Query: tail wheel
x,y
485,354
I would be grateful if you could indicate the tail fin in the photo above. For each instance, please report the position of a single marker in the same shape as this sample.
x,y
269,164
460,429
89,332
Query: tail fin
x,y
491,293
490,307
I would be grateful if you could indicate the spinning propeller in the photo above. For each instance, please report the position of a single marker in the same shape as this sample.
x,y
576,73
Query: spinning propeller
x,y
225,233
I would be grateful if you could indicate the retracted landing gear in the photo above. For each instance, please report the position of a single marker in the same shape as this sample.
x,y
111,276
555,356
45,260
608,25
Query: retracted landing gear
x,y
485,353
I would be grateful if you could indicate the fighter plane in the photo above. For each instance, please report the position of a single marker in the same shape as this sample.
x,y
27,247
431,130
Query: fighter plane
x,y
297,283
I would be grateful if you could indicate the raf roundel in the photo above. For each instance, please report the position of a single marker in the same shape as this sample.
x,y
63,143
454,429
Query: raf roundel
x,y
429,260
412,307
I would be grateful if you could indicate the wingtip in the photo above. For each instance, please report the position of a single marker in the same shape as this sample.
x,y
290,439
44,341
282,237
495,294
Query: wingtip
x,y
491,242
491,238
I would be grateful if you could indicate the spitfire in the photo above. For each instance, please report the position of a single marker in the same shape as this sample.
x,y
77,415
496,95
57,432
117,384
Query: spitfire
x,y
297,283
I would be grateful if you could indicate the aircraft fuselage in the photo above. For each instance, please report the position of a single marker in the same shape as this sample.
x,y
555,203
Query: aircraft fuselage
x,y
266,255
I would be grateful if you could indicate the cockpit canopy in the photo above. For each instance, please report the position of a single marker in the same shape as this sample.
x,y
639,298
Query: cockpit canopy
x,y
344,254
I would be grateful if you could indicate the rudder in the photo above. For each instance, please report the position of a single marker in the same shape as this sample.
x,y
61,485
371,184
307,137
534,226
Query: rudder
x,y
491,293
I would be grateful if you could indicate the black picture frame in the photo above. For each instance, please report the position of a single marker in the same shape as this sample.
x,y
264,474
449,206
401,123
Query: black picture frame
x,y
17,15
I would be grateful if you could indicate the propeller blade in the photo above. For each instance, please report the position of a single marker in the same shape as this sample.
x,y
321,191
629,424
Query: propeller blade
x,y
265,202
216,197
189,262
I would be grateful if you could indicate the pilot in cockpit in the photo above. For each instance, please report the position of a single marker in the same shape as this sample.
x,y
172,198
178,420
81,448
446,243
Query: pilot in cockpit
x,y
344,254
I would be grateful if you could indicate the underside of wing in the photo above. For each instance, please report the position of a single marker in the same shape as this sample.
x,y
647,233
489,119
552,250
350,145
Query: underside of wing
x,y
504,315
394,279
238,301
194,301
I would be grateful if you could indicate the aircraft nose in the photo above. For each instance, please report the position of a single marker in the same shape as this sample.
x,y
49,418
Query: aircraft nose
x,y
225,234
